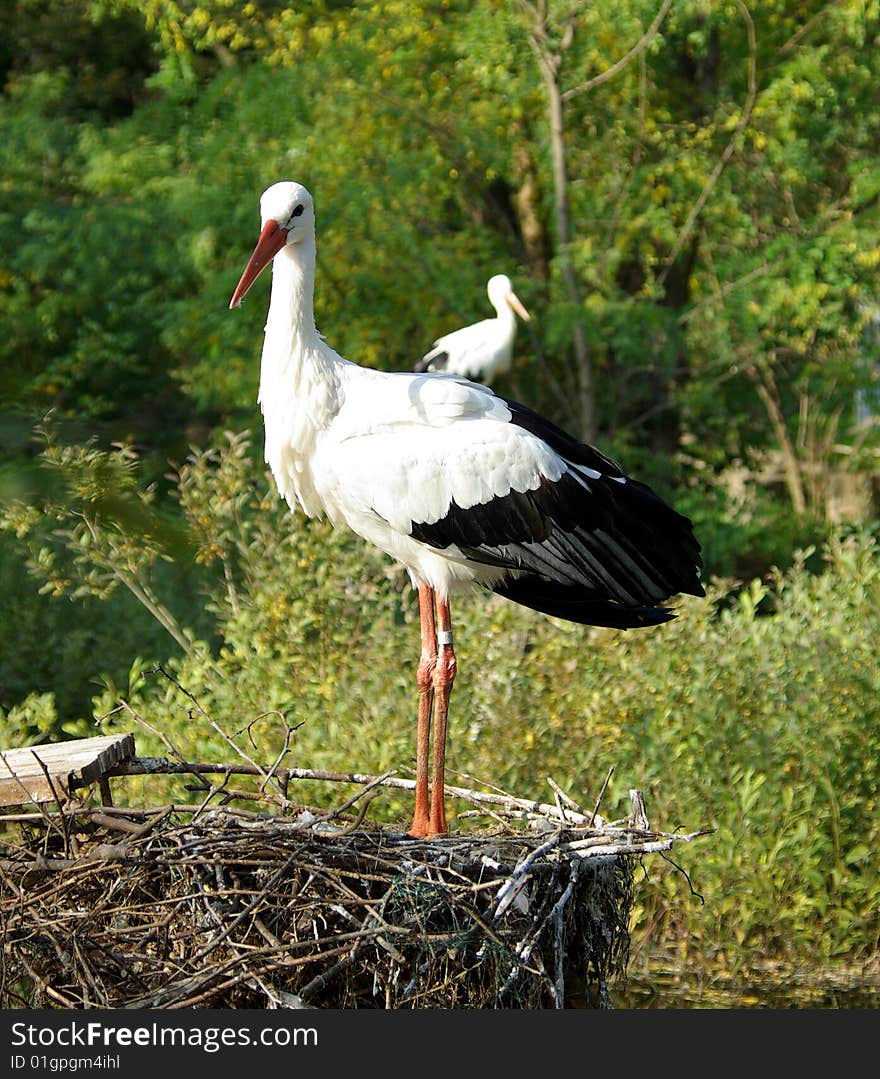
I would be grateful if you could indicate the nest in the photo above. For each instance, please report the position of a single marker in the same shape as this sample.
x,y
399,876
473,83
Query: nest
x,y
221,907
227,911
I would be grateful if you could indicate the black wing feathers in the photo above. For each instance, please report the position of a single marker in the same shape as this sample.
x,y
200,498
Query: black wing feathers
x,y
435,360
579,453
603,551
554,599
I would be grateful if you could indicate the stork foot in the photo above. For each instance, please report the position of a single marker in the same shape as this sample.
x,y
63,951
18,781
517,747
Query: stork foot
x,y
420,828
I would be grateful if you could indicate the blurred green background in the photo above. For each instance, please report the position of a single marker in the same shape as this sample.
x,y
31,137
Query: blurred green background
x,y
685,196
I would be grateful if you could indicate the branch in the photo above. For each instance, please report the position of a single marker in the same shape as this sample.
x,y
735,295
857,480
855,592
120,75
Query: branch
x,y
797,36
140,590
163,766
726,153
629,177
610,72
725,289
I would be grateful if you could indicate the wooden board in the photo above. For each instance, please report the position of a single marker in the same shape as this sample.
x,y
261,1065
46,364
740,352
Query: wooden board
x,y
46,772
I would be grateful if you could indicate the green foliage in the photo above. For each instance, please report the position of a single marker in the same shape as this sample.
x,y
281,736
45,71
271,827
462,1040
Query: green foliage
x,y
744,533
88,533
30,722
782,763
753,713
723,193
726,223
103,54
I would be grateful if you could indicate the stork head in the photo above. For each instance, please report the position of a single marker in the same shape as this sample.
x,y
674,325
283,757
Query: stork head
x,y
287,217
501,292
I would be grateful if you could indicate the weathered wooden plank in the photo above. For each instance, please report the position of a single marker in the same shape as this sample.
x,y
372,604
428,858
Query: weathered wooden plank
x,y
42,773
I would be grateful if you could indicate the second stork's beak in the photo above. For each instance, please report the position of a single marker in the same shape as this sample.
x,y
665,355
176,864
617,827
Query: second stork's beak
x,y
272,239
514,302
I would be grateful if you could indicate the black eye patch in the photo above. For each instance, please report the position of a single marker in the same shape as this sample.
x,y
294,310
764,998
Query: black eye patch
x,y
299,209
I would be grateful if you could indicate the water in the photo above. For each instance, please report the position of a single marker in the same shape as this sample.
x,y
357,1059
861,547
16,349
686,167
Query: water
x,y
667,989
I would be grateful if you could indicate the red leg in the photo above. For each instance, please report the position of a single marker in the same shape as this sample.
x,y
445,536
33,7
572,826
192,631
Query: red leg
x,y
424,676
443,677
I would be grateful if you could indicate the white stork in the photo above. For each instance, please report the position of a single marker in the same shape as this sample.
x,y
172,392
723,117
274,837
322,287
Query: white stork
x,y
484,349
459,485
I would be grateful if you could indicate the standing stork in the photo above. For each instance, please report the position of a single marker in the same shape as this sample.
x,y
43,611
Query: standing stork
x,y
457,484
484,349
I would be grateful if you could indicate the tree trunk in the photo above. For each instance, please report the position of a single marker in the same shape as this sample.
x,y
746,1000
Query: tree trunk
x,y
550,64
550,67
526,203
791,466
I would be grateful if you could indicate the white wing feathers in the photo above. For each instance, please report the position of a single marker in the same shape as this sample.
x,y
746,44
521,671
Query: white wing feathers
x,y
470,343
477,351
409,445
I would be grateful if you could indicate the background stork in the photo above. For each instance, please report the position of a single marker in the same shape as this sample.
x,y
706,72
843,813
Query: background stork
x,y
484,349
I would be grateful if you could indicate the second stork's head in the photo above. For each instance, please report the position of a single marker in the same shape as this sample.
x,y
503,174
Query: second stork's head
x,y
500,291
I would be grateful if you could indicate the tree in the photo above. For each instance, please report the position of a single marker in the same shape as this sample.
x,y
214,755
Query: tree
x,y
550,44
694,230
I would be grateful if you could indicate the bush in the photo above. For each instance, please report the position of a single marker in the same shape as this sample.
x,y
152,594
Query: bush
x,y
754,712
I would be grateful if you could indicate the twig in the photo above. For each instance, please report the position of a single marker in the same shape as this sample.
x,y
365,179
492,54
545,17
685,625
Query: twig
x,y
134,830
638,815
610,72
601,795
216,726
355,797
726,153
565,798
42,813
159,765
68,839
509,890
556,918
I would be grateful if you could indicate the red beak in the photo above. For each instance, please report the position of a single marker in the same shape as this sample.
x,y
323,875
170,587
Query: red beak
x,y
515,303
271,240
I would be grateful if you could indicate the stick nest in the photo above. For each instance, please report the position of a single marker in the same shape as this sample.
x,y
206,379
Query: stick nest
x,y
225,909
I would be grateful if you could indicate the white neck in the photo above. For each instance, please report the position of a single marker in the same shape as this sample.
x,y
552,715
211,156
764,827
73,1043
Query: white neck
x,y
299,374
293,288
505,313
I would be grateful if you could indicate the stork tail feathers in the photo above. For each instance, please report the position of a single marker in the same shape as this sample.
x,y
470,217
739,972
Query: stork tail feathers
x,y
578,605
